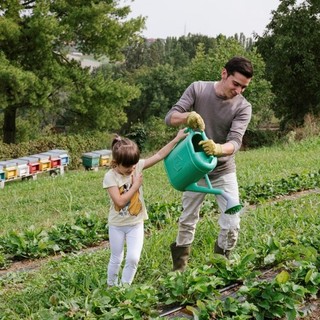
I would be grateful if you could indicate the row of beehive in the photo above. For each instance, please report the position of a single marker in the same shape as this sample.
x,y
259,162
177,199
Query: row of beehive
x,y
52,161
95,159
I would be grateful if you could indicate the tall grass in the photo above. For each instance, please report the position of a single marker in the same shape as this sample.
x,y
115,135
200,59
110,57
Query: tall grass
x,y
280,161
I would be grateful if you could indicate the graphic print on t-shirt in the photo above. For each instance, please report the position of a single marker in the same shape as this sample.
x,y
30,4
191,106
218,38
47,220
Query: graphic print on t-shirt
x,y
134,206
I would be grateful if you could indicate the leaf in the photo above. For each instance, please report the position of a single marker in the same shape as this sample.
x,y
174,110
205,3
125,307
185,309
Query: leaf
x,y
194,312
308,276
264,303
291,315
282,277
269,259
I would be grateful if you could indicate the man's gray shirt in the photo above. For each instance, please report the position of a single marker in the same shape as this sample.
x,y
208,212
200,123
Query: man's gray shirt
x,y
226,120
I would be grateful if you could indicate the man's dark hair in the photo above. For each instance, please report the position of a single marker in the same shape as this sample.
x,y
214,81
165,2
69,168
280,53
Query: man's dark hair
x,y
241,65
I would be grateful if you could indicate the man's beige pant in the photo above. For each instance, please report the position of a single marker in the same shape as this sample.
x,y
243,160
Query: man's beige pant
x,y
229,224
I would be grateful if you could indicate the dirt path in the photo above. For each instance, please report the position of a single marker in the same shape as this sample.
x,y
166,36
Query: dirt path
x,y
30,265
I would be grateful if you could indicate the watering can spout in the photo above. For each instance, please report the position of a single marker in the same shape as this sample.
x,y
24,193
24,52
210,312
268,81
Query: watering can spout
x,y
232,207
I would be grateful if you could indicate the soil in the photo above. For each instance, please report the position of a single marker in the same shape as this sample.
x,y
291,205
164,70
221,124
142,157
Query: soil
x,y
313,307
30,265
314,311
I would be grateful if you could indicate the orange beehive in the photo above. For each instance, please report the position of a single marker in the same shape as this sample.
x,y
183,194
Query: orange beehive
x,y
44,161
55,160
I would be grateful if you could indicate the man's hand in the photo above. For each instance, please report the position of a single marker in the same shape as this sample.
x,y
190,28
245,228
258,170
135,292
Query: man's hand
x,y
211,148
194,121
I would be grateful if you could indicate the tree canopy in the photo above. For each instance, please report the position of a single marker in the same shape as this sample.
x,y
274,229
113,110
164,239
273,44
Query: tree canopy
x,y
290,47
34,70
161,85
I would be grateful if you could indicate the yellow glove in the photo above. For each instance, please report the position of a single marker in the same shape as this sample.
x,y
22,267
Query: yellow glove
x,y
211,148
194,121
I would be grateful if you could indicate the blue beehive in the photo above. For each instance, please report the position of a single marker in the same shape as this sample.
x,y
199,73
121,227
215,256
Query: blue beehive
x,y
2,174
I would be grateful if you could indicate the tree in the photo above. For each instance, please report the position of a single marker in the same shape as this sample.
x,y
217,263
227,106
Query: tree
x,y
176,52
35,72
160,86
290,47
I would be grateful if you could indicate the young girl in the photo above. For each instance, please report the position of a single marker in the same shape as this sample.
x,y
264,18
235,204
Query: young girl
x,y
127,209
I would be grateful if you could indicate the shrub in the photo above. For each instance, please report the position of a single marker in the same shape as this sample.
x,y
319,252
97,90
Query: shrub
x,y
75,145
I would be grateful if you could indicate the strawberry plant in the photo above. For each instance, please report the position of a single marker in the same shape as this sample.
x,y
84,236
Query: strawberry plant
x,y
190,286
227,309
275,298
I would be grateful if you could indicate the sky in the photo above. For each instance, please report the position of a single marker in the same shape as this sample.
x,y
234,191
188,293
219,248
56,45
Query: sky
x,y
175,18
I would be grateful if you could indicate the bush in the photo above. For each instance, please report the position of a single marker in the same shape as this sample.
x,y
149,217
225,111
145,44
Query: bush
x,y
159,134
75,145
259,138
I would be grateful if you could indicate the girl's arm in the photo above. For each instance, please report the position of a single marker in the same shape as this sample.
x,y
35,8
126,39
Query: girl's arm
x,y
162,153
121,200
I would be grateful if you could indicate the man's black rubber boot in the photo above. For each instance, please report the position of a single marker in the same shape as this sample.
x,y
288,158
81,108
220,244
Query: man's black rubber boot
x,y
219,250
180,256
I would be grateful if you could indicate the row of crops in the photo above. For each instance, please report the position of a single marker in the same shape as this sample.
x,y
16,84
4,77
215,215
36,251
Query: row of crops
x,y
282,235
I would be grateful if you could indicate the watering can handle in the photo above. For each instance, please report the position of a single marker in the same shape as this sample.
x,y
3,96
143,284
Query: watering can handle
x,y
206,189
190,130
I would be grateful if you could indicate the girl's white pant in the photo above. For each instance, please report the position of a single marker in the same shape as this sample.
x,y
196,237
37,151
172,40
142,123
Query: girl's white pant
x,y
132,236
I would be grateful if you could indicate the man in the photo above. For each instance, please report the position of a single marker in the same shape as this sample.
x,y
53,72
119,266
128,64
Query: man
x,y
223,113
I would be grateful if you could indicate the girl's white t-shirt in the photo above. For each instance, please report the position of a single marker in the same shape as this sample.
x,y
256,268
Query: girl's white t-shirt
x,y
134,211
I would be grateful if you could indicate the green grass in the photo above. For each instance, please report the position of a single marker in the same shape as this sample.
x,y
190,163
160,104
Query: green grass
x,y
48,201
265,164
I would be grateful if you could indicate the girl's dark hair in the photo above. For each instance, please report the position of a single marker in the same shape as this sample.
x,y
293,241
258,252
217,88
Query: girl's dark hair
x,y
125,152
241,65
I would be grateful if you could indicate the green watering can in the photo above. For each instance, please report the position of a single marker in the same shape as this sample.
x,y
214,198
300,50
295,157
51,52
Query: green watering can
x,y
187,163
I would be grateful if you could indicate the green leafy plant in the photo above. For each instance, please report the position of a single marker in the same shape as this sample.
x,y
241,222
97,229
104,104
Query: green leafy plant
x,y
189,286
277,298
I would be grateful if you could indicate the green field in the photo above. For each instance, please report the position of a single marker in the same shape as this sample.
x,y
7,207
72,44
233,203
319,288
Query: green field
x,y
280,234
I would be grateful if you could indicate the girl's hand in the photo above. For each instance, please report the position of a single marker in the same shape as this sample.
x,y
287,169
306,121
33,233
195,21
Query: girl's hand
x,y
137,180
182,133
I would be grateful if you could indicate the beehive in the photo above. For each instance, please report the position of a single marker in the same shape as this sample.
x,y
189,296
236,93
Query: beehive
x,y
33,163
90,160
44,161
105,157
63,154
10,169
23,168
55,160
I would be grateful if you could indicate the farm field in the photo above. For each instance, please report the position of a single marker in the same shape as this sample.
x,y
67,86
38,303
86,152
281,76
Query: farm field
x,y
60,217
